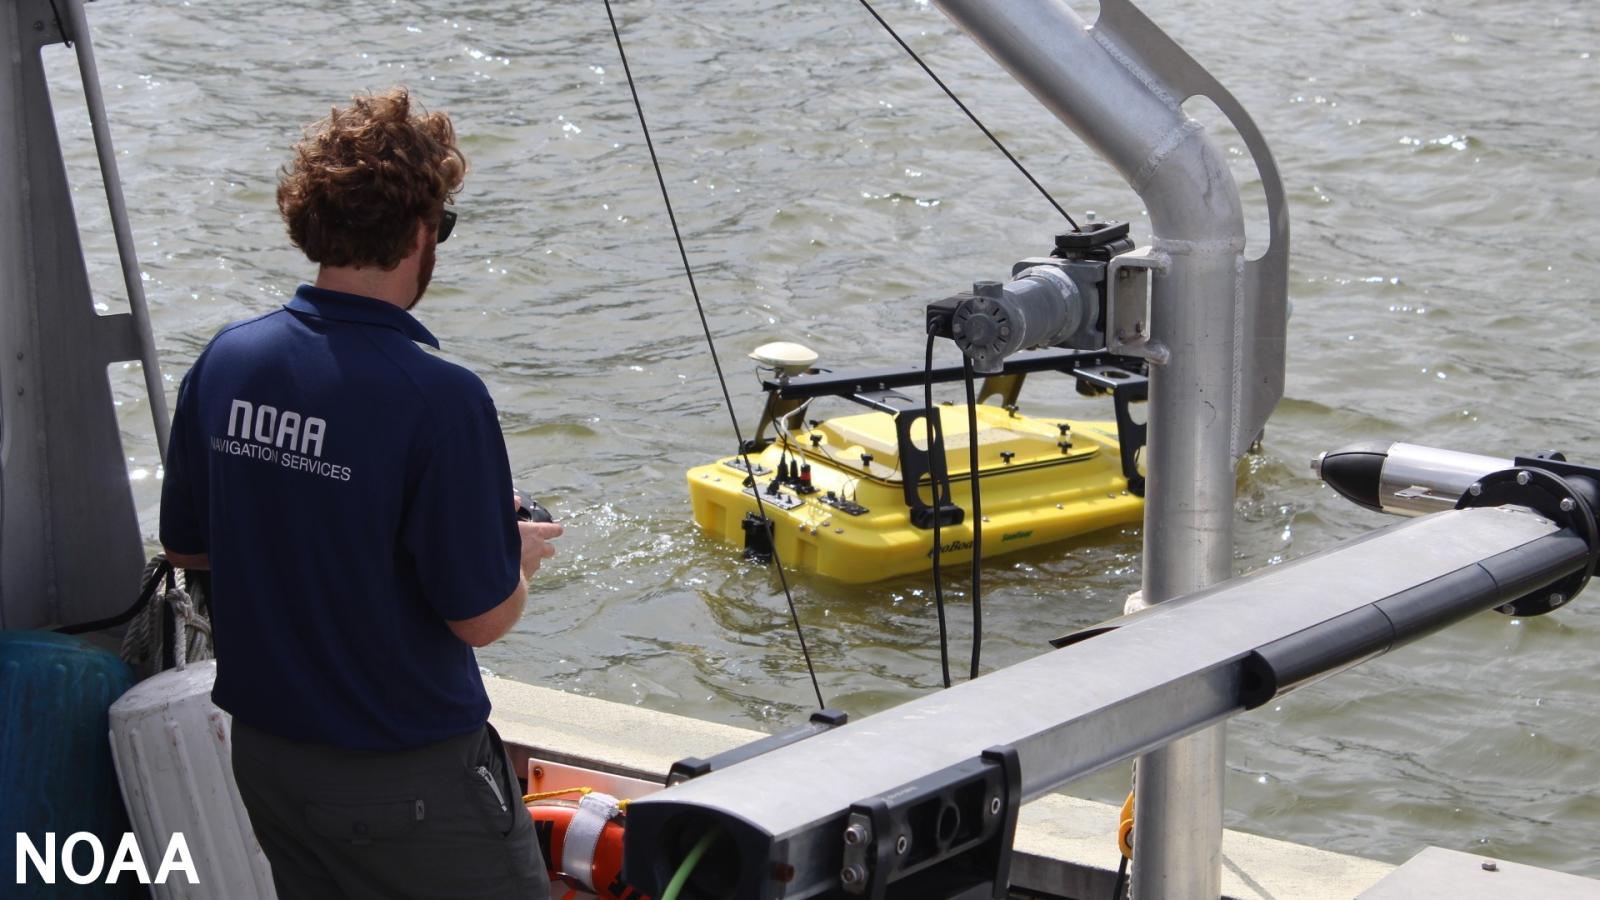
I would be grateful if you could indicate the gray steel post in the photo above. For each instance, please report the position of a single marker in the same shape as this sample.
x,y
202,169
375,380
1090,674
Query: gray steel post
x,y
1120,86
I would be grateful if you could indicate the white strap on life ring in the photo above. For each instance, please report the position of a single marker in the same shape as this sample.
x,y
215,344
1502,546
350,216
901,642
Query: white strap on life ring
x,y
583,835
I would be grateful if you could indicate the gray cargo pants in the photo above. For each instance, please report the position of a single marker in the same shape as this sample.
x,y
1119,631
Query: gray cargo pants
x,y
441,821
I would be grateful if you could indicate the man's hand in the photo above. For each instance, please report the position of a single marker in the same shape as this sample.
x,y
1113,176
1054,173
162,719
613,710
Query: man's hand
x,y
536,546
484,629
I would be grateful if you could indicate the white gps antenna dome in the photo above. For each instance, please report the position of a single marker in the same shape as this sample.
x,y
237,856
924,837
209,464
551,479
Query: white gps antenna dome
x,y
785,357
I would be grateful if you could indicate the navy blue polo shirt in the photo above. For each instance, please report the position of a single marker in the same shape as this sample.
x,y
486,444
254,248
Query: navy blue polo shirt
x,y
353,493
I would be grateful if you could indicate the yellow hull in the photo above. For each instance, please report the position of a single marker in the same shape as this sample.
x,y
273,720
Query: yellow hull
x,y
1037,485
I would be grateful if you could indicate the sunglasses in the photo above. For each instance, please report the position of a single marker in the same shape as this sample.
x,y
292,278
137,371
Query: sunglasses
x,y
447,224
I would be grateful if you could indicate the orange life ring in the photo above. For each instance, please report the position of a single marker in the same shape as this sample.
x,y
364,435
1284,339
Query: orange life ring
x,y
599,871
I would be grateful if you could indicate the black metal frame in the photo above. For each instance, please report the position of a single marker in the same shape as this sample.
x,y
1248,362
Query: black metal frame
x,y
1096,371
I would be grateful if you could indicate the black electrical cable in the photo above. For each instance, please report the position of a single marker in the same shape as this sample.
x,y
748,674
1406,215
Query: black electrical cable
x,y
977,517
972,414
157,568
1119,888
933,495
688,271
981,127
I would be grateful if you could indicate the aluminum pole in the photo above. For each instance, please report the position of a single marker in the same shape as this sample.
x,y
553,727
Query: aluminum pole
x,y
1101,84
78,33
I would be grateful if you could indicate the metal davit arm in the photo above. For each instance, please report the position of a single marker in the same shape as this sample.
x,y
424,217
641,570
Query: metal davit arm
x,y
1215,339
869,808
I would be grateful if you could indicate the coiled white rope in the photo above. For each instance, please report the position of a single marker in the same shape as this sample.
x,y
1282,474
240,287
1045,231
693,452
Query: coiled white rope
x,y
143,644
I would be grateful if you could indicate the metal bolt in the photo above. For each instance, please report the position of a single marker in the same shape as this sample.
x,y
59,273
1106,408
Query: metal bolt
x,y
1556,599
994,806
1523,477
901,845
1490,865
852,875
538,771
1476,489
1506,608
855,834
1568,504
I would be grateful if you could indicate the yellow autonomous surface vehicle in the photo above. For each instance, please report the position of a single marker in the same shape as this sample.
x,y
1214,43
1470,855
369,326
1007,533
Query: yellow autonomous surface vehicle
x,y
858,498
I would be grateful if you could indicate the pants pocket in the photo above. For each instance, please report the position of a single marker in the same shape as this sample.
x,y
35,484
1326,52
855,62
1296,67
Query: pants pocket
x,y
364,822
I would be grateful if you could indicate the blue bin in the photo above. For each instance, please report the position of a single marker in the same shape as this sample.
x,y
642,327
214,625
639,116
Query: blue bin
x,y
56,773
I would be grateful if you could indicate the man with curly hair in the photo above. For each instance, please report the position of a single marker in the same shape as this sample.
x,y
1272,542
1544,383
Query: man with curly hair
x,y
351,494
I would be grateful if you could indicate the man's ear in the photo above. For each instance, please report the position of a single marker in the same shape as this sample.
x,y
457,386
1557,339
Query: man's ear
x,y
420,239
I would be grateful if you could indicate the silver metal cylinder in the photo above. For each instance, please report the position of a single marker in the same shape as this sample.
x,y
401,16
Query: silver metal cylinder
x,y
1403,479
1419,480
1095,83
1188,542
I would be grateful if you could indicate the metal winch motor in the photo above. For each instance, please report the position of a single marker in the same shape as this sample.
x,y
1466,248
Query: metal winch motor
x,y
1052,301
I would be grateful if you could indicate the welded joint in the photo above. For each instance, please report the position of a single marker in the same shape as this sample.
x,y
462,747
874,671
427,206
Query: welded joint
x,y
1114,49
1186,130
1230,246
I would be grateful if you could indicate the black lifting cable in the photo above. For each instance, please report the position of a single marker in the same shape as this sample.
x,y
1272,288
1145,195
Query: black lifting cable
x,y
977,516
933,495
972,416
1119,888
688,271
981,127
